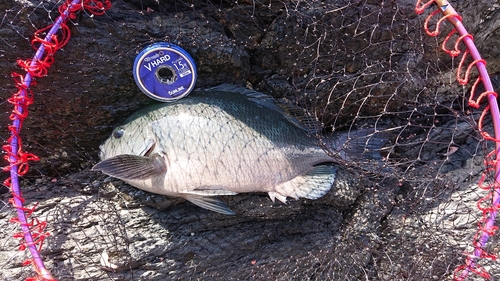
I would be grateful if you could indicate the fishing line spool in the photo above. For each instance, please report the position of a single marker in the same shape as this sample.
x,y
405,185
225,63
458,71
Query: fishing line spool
x,y
165,72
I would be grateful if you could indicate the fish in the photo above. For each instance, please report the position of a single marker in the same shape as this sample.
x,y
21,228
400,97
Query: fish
x,y
224,140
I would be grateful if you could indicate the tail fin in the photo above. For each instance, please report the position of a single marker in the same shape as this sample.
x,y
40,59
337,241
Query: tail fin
x,y
356,144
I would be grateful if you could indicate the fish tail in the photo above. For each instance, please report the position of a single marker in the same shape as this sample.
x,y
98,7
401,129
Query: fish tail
x,y
361,144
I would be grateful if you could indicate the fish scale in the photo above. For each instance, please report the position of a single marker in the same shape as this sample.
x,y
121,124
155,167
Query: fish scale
x,y
221,141
228,148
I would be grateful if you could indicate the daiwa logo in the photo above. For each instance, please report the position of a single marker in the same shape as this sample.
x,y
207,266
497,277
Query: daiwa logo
x,y
155,61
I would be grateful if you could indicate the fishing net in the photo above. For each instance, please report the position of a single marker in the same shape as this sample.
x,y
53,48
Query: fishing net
x,y
413,215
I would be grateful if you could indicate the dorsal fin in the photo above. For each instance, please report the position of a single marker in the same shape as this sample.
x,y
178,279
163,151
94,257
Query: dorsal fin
x,y
296,115
300,117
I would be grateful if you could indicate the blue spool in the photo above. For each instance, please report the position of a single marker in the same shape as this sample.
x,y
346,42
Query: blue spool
x,y
165,72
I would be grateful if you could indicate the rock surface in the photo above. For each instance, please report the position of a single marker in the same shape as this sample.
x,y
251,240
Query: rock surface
x,y
359,63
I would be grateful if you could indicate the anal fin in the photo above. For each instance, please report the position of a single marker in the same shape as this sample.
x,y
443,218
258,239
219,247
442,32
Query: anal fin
x,y
274,195
312,185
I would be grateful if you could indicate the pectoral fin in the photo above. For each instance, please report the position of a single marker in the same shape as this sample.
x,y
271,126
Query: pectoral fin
x,y
209,202
132,167
312,185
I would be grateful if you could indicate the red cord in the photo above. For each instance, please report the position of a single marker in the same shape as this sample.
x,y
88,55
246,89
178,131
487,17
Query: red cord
x,y
484,204
21,100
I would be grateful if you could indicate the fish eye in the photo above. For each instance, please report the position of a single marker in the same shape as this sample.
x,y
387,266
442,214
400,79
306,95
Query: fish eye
x,y
118,132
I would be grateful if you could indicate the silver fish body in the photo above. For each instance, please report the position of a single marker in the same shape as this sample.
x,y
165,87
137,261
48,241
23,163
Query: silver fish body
x,y
222,141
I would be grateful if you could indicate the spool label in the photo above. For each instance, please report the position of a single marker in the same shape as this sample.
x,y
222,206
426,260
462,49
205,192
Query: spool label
x,y
155,62
165,72
182,68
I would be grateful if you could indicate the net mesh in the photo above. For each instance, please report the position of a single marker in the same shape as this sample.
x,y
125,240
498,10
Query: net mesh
x,y
353,64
